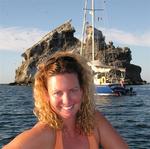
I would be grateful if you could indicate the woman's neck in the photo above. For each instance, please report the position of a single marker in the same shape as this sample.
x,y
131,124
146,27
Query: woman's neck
x,y
69,127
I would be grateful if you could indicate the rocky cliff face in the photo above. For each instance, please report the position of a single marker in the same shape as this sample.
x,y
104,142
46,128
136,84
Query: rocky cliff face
x,y
110,55
62,38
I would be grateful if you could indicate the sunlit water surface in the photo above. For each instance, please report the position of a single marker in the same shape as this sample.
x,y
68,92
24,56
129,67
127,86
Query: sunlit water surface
x,y
130,115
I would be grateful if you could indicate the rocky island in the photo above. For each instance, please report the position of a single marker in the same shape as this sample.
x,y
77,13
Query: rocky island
x,y
62,38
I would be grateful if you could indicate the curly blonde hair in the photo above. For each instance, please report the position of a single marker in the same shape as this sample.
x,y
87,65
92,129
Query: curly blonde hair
x,y
65,62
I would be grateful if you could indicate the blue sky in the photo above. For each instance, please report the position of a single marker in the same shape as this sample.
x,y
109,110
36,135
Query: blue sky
x,y
24,22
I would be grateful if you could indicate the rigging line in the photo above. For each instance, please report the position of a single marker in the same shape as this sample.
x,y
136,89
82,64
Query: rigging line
x,y
92,12
83,27
106,22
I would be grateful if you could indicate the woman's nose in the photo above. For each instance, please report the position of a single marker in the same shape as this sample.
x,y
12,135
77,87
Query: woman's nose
x,y
66,98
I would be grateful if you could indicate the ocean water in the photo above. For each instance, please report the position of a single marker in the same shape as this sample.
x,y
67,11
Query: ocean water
x,y
130,115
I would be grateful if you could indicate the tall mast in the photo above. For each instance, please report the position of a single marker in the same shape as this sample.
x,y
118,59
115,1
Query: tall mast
x,y
83,27
93,26
92,12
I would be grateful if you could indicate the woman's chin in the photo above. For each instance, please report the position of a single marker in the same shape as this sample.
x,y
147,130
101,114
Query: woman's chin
x,y
67,116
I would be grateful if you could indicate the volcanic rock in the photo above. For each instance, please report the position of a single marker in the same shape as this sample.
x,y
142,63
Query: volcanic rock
x,y
62,38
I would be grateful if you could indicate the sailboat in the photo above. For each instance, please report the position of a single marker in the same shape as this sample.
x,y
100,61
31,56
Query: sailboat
x,y
106,82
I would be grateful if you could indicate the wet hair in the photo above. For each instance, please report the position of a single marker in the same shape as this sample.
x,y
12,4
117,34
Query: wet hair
x,y
63,62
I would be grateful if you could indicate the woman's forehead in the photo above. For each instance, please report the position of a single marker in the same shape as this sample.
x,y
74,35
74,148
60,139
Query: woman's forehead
x,y
67,80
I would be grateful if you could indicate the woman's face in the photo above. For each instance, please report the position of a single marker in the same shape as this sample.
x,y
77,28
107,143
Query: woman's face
x,y
65,94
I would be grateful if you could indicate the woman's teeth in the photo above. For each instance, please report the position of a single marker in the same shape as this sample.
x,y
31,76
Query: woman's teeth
x,y
67,108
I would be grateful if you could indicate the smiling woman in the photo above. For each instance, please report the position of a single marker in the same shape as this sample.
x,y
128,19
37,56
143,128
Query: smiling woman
x,y
61,69
64,105
65,96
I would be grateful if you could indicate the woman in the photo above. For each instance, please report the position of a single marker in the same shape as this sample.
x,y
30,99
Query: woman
x,y
64,105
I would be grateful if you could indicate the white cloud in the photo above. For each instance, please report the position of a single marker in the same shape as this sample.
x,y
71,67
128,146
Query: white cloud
x,y
16,38
127,38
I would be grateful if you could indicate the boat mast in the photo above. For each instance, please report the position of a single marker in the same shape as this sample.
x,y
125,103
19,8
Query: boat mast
x,y
93,26
83,27
92,12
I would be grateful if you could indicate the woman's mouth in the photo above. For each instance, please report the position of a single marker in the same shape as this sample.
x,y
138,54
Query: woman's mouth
x,y
67,107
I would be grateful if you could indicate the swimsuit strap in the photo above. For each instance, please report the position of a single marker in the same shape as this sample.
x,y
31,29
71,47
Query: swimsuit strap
x,y
92,142
59,142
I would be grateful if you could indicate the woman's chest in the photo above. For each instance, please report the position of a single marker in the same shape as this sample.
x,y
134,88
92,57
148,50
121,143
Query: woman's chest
x,y
78,142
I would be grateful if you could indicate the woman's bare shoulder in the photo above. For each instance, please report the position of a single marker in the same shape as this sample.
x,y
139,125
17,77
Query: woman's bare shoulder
x,y
108,136
40,136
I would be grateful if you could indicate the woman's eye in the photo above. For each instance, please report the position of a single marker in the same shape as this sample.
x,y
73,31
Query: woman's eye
x,y
74,90
57,93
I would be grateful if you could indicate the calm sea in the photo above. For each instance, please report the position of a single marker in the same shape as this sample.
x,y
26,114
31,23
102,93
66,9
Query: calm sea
x,y
130,115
